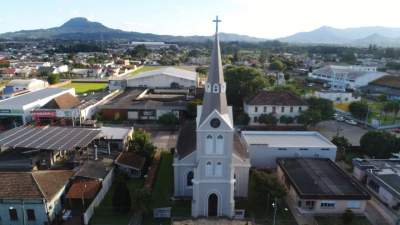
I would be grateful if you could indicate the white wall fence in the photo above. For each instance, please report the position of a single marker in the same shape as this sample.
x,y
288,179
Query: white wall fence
x,y
106,184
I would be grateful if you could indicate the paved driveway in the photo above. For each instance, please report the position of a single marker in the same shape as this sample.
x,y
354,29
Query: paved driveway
x,y
331,127
164,139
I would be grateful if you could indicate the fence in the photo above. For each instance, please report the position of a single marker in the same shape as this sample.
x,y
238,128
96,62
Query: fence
x,y
106,184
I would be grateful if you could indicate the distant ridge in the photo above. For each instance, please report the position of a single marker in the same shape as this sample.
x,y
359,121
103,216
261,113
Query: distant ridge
x,y
80,28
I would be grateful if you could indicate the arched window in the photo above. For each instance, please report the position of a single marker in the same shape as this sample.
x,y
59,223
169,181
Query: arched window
x,y
208,87
209,169
215,88
218,170
209,144
189,178
220,145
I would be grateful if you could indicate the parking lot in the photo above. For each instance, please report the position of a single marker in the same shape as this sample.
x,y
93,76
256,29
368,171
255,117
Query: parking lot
x,y
331,128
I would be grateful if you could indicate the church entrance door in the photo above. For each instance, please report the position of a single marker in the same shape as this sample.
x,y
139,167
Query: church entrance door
x,y
213,205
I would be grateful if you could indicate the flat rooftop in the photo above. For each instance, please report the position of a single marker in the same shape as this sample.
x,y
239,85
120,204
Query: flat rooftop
x,y
278,139
31,97
124,100
48,138
317,178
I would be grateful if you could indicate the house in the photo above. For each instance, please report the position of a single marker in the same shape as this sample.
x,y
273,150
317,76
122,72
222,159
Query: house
x,y
346,77
382,178
7,72
279,103
168,77
265,147
60,69
33,198
337,96
319,186
16,111
117,137
18,86
130,163
387,85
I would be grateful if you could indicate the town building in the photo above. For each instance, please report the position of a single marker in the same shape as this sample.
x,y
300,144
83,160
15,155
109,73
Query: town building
x,y
152,45
265,147
130,163
382,178
16,111
17,87
387,85
319,186
279,103
346,77
210,163
337,96
33,198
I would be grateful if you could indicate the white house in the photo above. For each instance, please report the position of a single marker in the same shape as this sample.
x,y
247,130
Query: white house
x,y
278,103
32,198
337,96
168,77
60,69
18,86
265,147
342,77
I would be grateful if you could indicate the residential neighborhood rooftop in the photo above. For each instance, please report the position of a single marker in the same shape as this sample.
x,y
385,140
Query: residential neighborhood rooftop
x,y
31,97
276,98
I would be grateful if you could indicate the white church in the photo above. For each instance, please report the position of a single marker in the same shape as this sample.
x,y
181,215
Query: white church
x,y
211,164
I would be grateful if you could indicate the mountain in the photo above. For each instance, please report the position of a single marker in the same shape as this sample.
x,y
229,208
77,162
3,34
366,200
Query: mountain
x,y
359,36
82,29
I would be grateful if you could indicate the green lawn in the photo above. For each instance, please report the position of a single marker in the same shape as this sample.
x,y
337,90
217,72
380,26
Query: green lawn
x,y
163,191
81,88
144,69
335,220
104,214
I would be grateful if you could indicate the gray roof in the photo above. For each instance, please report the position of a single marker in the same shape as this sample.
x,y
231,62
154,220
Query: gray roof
x,y
95,169
345,71
317,178
169,71
214,101
31,97
115,133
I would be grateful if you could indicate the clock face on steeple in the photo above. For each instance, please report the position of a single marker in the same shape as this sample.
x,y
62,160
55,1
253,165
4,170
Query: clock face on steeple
x,y
215,123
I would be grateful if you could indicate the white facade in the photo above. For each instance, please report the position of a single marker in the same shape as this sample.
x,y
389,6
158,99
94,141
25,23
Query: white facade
x,y
255,111
168,77
18,85
337,96
265,147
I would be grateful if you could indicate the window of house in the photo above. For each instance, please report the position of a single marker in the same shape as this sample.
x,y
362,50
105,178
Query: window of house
x,y
325,149
265,108
209,144
209,169
282,148
189,179
215,88
353,204
218,169
310,204
291,108
328,204
283,109
13,213
220,144
255,109
303,149
255,119
30,214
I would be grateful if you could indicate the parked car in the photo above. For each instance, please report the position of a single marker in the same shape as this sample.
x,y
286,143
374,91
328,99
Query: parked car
x,y
351,122
339,118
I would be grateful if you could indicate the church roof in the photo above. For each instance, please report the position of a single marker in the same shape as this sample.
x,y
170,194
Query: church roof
x,y
186,142
215,100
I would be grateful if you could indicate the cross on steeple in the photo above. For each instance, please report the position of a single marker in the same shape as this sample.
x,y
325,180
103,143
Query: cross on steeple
x,y
216,21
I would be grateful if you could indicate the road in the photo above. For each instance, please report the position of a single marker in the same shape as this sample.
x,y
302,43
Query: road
x,y
331,128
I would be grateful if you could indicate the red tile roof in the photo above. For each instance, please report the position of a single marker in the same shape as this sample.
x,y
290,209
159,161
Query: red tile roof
x,y
276,98
84,188
131,159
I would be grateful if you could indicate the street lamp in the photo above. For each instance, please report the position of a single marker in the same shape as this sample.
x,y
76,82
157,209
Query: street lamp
x,y
275,206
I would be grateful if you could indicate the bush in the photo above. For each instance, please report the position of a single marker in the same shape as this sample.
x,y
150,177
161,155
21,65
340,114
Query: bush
x,y
191,107
268,119
379,144
53,78
286,119
358,109
242,118
168,119
347,217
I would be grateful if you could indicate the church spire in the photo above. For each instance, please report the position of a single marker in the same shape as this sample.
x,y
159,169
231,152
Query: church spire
x,y
214,96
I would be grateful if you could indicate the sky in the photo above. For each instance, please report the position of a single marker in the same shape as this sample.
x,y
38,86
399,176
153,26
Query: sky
x,y
258,18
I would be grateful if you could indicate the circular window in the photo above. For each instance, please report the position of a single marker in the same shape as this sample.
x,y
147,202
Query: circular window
x,y
215,123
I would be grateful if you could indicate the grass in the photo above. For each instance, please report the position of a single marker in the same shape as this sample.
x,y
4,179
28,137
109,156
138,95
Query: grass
x,y
144,69
163,191
104,213
335,220
81,88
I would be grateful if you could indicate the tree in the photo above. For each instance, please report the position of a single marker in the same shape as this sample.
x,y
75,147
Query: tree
x,y
391,107
347,217
202,70
142,200
359,109
140,52
309,117
141,144
268,119
379,144
286,119
168,119
342,145
324,106
277,65
121,199
349,57
191,107
242,83
53,78
241,118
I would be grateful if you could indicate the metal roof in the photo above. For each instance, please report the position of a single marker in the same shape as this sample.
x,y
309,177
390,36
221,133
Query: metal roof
x,y
170,71
31,97
48,138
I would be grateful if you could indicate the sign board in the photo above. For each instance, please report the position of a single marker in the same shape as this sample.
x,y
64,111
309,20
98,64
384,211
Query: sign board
x,y
43,113
162,212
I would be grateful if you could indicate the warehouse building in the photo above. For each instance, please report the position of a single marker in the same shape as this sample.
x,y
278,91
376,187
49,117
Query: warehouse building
x,y
16,111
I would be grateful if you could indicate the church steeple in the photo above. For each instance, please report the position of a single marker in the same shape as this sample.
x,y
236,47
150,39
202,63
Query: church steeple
x,y
214,96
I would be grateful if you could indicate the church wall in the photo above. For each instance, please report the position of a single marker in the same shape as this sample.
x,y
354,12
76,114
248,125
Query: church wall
x,y
181,169
242,180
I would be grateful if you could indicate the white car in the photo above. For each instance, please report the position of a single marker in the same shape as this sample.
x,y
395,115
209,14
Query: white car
x,y
351,122
340,118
